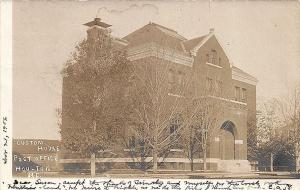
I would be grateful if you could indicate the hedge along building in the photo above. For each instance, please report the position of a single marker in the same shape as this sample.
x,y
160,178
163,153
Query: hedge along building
x,y
205,60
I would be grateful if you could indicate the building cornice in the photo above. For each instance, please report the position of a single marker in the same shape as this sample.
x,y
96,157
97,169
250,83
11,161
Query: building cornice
x,y
99,27
229,100
154,50
120,41
242,77
213,65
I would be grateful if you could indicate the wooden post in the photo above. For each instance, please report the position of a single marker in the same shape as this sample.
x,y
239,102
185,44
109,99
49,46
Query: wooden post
x,y
191,159
204,142
155,159
271,162
297,154
155,151
93,165
204,160
191,149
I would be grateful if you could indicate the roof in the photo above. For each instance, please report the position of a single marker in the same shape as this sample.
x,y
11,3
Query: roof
x,y
97,22
190,44
169,31
161,35
167,37
240,75
119,43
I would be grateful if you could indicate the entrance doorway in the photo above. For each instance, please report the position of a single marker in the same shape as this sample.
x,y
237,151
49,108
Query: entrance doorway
x,y
227,139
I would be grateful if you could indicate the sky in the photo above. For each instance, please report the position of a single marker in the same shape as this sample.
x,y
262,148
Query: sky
x,y
260,37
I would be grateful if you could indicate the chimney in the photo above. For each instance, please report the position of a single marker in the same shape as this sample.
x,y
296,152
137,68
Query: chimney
x,y
97,28
98,33
97,20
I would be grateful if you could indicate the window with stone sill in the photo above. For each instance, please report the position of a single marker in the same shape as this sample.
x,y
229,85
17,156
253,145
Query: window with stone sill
x,y
219,88
174,136
207,58
171,81
175,81
237,93
180,78
209,84
214,57
244,95
180,82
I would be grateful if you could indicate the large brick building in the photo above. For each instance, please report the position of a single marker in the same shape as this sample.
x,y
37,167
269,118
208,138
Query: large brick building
x,y
204,57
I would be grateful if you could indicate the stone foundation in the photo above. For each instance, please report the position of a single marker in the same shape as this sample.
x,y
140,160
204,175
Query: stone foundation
x,y
234,166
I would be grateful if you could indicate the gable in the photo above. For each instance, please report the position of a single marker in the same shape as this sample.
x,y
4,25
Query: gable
x,y
212,43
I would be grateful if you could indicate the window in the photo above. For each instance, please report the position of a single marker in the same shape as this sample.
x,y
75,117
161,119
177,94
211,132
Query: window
x,y
176,81
219,87
180,77
209,84
214,57
132,142
173,128
171,80
127,91
237,93
207,58
244,94
192,89
174,136
180,81
171,76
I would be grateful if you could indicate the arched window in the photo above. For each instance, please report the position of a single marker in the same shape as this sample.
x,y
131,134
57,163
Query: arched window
x,y
228,126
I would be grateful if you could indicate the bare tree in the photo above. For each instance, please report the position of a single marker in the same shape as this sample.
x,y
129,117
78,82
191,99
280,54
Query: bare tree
x,y
94,79
204,113
272,137
158,97
252,143
289,109
192,142
166,111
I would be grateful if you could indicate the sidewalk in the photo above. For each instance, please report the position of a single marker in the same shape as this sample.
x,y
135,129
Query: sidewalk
x,y
174,174
180,174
